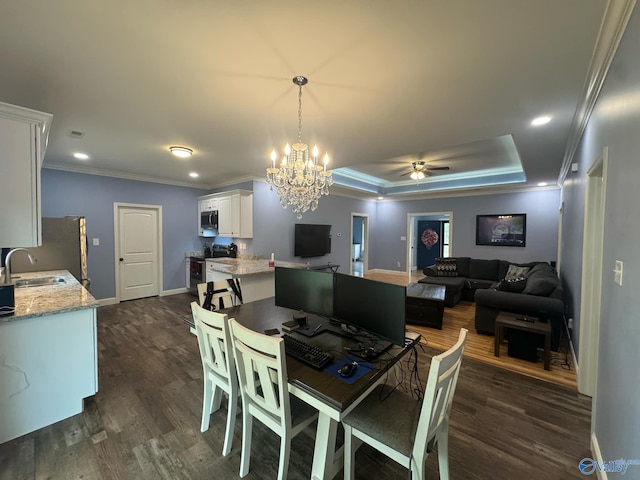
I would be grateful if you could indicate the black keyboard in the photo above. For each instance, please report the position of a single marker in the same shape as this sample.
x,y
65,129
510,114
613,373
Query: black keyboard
x,y
306,353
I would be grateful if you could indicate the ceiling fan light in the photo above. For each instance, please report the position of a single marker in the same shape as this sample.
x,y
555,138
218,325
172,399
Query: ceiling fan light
x,y
414,175
420,175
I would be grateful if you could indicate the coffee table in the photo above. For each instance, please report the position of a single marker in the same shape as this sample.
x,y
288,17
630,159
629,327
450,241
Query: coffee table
x,y
516,322
425,304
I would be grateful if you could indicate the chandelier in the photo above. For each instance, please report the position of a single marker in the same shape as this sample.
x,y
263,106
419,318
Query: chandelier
x,y
299,180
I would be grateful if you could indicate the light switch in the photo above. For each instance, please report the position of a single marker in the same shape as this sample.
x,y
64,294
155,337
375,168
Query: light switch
x,y
617,272
96,242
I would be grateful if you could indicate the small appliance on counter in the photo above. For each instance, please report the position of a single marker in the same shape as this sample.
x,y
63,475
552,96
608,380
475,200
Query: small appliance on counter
x,y
219,251
232,249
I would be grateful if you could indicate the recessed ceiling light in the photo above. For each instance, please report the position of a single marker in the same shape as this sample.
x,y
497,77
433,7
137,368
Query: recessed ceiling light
x,y
81,156
182,152
194,175
543,120
380,198
542,184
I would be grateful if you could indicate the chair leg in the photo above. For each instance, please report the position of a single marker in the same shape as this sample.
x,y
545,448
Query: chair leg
x,y
443,454
232,408
283,464
207,404
247,427
349,454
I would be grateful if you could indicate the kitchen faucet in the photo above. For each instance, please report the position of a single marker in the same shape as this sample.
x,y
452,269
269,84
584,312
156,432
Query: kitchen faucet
x,y
7,269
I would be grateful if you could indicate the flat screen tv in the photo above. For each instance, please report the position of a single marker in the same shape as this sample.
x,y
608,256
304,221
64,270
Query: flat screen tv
x,y
308,290
507,230
311,240
377,307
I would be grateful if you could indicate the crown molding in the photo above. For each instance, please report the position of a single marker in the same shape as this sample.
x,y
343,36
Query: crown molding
x,y
614,23
125,176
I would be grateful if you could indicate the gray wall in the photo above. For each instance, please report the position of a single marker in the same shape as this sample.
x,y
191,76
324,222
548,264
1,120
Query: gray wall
x,y
614,123
273,226
91,196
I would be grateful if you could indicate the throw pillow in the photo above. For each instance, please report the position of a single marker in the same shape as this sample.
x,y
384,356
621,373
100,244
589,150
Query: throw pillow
x,y
515,272
516,285
446,267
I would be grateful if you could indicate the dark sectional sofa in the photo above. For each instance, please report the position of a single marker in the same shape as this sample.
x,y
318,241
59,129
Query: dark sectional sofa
x,y
536,293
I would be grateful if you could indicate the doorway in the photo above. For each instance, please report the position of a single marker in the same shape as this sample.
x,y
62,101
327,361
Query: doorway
x,y
590,298
138,246
359,244
429,236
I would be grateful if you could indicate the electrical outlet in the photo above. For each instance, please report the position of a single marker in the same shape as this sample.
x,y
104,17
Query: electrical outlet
x,y
617,272
398,263
96,242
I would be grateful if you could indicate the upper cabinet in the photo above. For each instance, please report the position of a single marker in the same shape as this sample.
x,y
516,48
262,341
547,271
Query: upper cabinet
x,y
235,212
23,141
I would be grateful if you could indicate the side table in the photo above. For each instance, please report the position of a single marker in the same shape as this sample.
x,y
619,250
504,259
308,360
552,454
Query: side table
x,y
516,322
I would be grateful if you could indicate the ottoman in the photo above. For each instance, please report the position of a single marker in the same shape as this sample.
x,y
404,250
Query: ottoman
x,y
425,304
453,285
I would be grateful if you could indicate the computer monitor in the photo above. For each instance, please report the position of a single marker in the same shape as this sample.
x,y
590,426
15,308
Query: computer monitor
x,y
308,290
377,307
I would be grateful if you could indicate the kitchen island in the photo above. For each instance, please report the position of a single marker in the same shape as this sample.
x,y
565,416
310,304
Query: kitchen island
x,y
48,353
256,277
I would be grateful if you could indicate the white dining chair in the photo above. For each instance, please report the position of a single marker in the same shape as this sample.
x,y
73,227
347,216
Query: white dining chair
x,y
221,294
262,373
218,368
390,427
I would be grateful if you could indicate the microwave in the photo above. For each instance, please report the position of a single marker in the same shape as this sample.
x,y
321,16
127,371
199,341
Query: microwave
x,y
209,219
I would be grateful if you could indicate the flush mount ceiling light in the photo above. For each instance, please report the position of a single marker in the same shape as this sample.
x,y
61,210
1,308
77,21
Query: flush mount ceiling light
x,y
299,180
543,120
81,156
182,152
194,175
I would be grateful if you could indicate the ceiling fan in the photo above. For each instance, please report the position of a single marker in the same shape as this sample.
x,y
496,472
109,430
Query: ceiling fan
x,y
419,170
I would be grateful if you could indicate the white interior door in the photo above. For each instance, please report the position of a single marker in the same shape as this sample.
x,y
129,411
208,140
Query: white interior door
x,y
590,298
138,239
362,250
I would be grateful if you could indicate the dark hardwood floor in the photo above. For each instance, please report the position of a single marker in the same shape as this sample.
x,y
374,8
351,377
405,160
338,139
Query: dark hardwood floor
x,y
144,423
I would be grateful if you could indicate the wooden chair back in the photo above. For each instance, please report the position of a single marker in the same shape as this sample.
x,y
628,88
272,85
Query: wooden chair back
x,y
438,397
223,296
262,374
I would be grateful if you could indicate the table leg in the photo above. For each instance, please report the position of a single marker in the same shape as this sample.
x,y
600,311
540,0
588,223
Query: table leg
x,y
324,450
547,351
497,341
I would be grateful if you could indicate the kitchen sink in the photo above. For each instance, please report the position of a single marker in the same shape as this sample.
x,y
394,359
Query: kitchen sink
x,y
39,282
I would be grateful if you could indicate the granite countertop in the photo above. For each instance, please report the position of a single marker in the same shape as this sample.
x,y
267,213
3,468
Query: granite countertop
x,y
239,267
62,297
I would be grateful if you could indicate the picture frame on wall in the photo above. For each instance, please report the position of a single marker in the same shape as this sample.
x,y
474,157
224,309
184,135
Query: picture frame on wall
x,y
507,230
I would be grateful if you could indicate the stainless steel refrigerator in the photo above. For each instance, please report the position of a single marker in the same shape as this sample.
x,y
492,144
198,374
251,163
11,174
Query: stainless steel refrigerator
x,y
64,247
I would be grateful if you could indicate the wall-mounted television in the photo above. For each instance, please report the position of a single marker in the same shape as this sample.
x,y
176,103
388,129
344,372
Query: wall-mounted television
x,y
311,240
507,230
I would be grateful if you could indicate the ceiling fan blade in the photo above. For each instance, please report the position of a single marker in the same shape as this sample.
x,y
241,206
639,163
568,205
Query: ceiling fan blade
x,y
408,173
437,168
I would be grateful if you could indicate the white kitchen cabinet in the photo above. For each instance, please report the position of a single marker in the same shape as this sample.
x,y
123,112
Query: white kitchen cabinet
x,y
49,365
235,215
235,212
23,141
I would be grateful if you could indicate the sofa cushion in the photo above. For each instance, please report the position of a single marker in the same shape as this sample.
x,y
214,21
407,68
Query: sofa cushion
x,y
462,264
446,267
542,280
515,272
484,269
515,285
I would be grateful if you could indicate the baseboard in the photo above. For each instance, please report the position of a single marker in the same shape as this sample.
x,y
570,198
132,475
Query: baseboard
x,y
595,450
107,301
174,291
390,272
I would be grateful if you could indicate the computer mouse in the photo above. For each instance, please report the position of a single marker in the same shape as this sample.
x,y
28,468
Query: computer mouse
x,y
348,369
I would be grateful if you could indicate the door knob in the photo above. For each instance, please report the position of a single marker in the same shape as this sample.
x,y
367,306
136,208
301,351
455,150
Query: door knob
x,y
121,259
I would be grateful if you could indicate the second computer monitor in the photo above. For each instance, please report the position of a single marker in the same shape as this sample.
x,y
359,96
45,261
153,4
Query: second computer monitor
x,y
308,290
378,307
